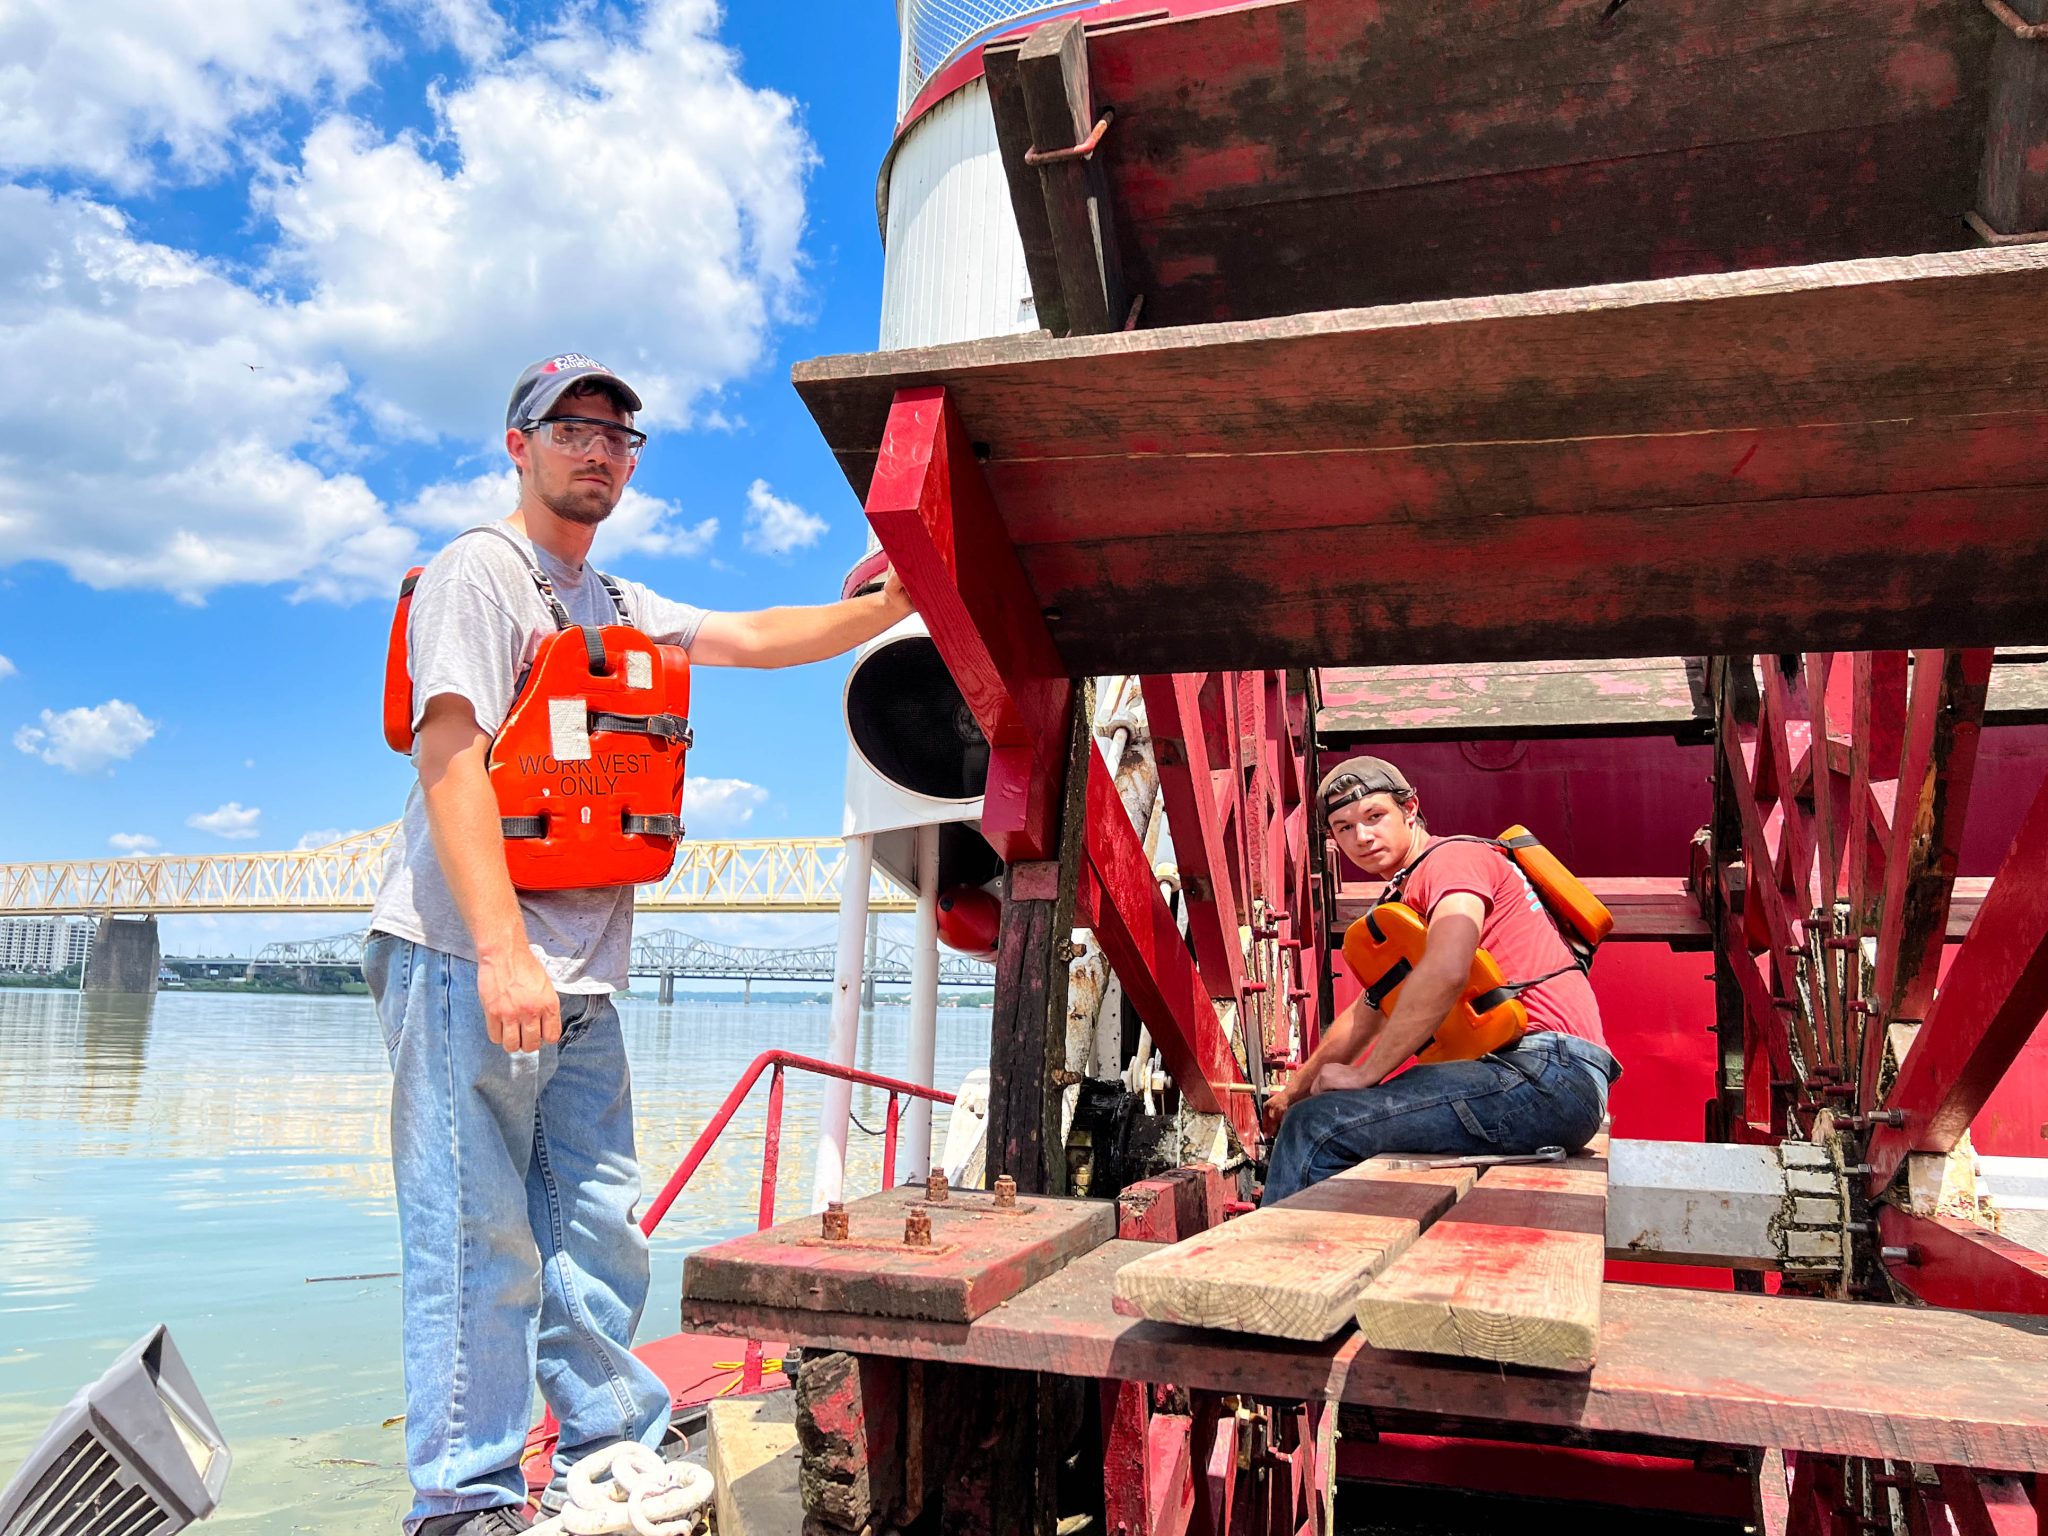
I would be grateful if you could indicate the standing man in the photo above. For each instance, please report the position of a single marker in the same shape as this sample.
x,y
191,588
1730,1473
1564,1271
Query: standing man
x,y
511,1110
1549,1090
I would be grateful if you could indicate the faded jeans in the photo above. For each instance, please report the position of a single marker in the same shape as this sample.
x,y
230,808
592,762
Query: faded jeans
x,y
516,1192
1548,1091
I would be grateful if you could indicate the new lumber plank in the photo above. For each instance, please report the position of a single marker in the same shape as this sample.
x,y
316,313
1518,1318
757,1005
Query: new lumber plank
x,y
1513,1274
1292,1270
1675,1367
1196,498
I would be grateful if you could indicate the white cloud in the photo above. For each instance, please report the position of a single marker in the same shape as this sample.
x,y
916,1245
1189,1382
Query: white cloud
x,y
326,835
87,740
7,668
775,526
118,89
190,469
720,804
640,524
233,820
132,842
614,187
470,27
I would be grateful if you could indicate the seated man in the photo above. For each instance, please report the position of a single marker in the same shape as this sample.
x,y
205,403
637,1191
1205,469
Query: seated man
x,y
1550,1090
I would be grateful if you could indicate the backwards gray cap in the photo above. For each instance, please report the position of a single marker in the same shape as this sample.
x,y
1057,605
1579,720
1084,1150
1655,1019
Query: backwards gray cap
x,y
1357,778
547,380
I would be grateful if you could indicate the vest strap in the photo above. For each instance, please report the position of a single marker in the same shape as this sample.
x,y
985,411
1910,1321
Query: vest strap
x,y
660,727
517,827
653,826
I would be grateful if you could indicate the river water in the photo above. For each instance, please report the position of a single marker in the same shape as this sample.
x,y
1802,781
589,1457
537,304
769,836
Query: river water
x,y
208,1160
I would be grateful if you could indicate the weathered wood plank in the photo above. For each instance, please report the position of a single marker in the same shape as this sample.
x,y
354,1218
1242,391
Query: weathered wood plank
x,y
1013,137
1513,1274
1838,1378
2012,189
979,1256
1292,1270
1650,693
1633,455
1052,70
1304,156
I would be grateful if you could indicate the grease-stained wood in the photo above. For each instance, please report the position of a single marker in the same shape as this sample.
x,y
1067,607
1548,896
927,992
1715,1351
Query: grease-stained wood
x,y
1525,698
979,1256
1060,107
1631,456
2012,190
1292,1270
1512,1274
1840,1378
1309,155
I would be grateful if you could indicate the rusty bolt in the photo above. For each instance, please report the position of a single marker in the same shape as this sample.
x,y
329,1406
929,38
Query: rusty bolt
x,y
834,1223
936,1190
917,1228
1006,1192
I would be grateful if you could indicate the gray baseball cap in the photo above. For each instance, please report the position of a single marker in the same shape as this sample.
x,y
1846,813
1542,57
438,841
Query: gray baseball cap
x,y
1358,778
546,381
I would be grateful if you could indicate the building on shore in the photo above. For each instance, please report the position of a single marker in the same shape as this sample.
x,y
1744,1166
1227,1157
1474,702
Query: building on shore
x,y
44,945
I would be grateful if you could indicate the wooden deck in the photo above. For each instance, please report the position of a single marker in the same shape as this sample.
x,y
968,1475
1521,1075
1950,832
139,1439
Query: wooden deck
x,y
1840,456
1675,1367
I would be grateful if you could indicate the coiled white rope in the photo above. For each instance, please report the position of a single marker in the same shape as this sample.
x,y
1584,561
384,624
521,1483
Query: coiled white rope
x,y
628,1487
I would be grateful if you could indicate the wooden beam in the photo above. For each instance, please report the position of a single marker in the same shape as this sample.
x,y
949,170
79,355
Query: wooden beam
x,y
1702,1367
1606,445
1028,1021
1948,1262
1146,951
1512,1274
1993,996
1181,748
1937,766
1292,1270
1027,199
1645,695
1052,73
2012,188
930,506
1306,156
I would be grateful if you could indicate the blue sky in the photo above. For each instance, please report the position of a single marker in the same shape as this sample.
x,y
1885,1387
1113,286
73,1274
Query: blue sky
x,y
267,270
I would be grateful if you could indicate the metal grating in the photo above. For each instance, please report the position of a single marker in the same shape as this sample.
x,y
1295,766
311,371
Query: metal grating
x,y
87,1492
936,32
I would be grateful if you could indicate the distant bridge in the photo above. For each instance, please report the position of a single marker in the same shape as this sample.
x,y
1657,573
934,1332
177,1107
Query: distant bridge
x,y
799,874
671,954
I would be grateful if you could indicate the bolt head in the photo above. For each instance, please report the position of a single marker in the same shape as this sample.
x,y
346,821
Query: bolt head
x,y
1006,1190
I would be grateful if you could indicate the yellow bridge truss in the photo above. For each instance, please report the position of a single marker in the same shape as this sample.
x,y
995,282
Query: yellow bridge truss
x,y
800,874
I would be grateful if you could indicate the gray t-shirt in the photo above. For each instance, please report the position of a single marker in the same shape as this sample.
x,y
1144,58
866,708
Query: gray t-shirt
x,y
477,620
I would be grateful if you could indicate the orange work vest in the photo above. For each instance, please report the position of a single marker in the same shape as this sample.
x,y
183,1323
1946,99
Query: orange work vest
x,y
588,765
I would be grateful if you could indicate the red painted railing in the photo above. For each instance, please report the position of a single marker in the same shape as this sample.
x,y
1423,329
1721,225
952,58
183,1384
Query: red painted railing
x,y
771,1149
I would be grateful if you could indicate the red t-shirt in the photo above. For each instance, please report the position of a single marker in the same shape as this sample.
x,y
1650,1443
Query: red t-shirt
x,y
1518,932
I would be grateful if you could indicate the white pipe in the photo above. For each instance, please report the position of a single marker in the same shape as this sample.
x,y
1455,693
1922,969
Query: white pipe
x,y
914,1157
830,1181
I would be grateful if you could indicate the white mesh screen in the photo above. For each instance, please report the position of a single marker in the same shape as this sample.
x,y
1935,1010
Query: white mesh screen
x,y
935,32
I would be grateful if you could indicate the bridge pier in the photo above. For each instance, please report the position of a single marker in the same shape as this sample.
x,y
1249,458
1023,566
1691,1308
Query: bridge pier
x,y
668,988
747,992
125,956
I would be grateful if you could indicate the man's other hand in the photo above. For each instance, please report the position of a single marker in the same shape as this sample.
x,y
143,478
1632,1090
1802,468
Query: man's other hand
x,y
1340,1076
521,1010
1277,1104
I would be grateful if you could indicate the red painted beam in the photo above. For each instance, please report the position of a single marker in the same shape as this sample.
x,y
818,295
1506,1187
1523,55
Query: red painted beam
x,y
1955,1263
1978,1509
1170,1494
1546,1472
930,506
1181,746
1146,951
1991,999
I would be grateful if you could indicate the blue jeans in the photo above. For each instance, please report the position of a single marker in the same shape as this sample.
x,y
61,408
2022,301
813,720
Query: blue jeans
x,y
516,1192
1549,1091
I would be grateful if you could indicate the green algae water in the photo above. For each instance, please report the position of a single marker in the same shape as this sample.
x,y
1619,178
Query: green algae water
x,y
213,1161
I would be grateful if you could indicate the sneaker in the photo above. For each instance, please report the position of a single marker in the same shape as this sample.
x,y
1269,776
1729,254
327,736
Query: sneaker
x,y
498,1520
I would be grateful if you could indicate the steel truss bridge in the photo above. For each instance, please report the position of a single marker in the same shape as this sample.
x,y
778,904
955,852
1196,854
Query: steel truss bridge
x,y
668,952
761,875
